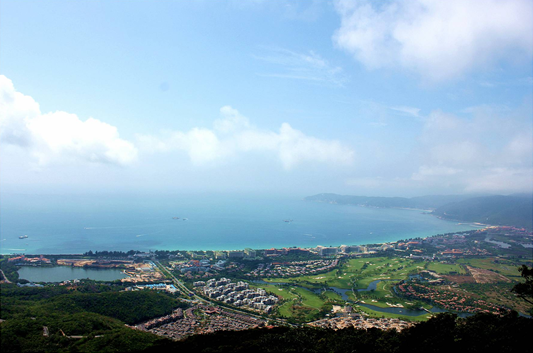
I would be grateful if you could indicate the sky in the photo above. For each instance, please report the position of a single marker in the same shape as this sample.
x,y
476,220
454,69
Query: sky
x,y
388,98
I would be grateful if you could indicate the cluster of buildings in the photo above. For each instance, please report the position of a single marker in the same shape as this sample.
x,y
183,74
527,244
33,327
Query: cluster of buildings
x,y
203,265
341,250
360,322
236,254
22,260
285,251
223,320
177,325
146,271
446,299
98,263
294,268
181,324
176,315
237,294
156,286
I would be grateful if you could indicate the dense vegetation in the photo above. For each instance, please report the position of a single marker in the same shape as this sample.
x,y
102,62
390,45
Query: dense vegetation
x,y
9,269
97,333
88,310
129,307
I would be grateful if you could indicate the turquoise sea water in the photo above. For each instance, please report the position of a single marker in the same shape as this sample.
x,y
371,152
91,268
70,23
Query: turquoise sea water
x,y
76,224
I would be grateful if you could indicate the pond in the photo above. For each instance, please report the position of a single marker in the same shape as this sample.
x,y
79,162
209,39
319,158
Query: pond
x,y
373,285
501,244
63,273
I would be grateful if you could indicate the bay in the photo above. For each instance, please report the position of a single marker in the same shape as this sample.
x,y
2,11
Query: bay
x,y
79,223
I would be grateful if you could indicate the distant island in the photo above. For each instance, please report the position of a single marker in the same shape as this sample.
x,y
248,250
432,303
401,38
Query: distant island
x,y
516,210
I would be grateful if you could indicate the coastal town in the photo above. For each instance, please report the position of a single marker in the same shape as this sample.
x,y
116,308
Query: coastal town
x,y
361,286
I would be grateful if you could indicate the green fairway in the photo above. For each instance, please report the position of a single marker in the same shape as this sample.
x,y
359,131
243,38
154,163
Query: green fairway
x,y
332,295
309,298
359,272
374,313
445,269
298,303
354,273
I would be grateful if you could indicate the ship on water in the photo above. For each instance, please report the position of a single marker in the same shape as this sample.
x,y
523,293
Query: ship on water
x,y
23,237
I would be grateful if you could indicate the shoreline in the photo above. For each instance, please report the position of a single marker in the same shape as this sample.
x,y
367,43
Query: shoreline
x,y
234,249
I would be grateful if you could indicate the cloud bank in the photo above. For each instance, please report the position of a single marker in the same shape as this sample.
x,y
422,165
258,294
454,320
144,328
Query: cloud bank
x,y
438,40
58,137
490,151
484,149
233,135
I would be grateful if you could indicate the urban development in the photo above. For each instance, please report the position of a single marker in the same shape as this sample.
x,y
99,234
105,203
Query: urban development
x,y
384,286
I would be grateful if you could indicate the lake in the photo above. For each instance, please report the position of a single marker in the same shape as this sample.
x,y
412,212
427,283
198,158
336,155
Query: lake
x,y
63,273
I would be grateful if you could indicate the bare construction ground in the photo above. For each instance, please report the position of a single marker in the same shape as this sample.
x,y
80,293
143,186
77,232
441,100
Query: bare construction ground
x,y
486,276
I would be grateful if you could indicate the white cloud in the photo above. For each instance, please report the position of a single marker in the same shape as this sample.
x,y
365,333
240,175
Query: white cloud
x,y
294,147
232,120
410,111
202,145
58,137
438,40
234,135
302,66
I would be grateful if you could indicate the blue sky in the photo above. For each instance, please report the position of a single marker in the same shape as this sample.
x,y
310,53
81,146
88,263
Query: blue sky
x,y
354,97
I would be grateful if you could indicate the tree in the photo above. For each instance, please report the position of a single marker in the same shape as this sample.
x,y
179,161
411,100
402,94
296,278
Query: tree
x,y
525,289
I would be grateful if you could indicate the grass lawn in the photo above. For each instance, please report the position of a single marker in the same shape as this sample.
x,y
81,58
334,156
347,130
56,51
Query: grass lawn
x,y
285,309
332,295
299,302
445,269
374,313
309,298
283,292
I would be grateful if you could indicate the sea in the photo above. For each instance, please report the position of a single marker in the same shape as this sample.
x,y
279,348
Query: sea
x,y
74,224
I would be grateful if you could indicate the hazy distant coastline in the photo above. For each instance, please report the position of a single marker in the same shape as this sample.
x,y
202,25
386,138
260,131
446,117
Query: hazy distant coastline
x,y
513,210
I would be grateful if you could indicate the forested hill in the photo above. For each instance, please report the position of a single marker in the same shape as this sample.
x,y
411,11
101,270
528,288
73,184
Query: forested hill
x,y
494,210
513,210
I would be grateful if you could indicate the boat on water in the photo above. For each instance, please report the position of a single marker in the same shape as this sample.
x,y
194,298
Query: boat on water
x,y
23,237
175,218
287,220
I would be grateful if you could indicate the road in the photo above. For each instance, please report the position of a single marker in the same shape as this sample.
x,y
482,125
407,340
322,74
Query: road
x,y
191,294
